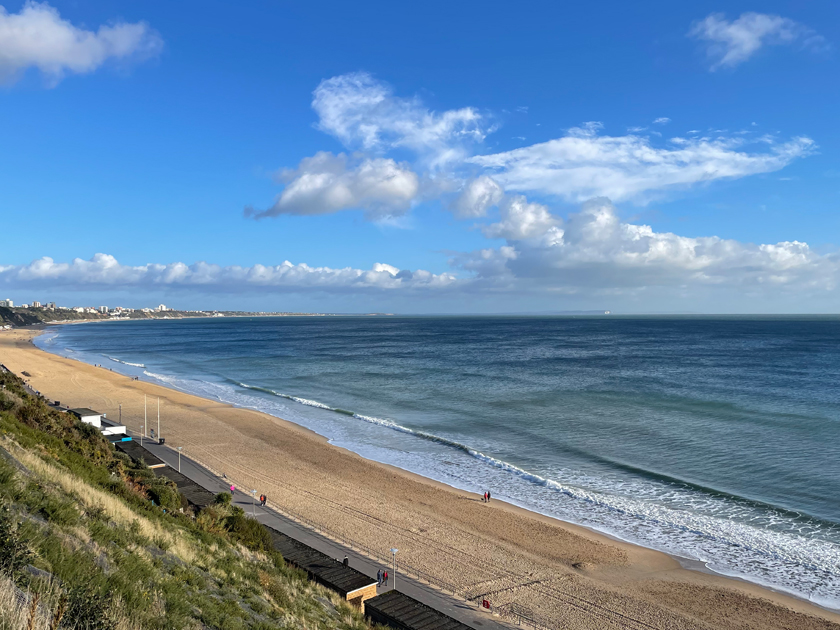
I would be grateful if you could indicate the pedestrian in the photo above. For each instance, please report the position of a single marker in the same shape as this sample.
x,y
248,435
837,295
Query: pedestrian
x,y
379,577
488,496
385,576
232,489
484,498
346,561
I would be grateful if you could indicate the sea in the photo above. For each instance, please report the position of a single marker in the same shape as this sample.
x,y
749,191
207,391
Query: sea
x,y
714,439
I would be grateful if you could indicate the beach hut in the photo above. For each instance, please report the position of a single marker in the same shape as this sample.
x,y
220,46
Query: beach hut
x,y
88,416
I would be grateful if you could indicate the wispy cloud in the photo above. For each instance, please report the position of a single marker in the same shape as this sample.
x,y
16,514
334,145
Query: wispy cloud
x,y
363,113
585,164
730,43
37,37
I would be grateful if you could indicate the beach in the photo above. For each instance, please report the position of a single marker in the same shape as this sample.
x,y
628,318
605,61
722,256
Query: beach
x,y
567,576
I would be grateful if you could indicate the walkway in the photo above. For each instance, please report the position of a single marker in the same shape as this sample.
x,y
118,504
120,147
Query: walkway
x,y
464,612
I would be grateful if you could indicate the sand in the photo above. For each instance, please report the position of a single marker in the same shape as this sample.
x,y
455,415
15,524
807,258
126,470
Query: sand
x,y
564,576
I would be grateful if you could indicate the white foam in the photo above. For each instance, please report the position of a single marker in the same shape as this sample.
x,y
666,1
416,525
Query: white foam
x,y
140,365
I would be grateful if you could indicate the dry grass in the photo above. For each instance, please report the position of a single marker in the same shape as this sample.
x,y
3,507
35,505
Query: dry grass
x,y
96,499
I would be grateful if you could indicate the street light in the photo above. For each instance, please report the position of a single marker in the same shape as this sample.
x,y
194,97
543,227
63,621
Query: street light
x,y
254,502
394,551
179,458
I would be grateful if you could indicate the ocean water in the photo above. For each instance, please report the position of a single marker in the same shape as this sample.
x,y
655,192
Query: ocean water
x,y
713,439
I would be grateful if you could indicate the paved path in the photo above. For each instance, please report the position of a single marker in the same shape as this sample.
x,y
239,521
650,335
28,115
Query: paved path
x,y
465,612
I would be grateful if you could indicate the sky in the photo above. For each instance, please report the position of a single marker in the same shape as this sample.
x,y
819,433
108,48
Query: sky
x,y
469,157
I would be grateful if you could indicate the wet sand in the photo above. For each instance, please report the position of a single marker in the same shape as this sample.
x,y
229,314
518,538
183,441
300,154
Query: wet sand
x,y
566,576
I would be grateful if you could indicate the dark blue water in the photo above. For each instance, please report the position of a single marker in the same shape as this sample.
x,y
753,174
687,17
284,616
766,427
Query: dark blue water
x,y
713,439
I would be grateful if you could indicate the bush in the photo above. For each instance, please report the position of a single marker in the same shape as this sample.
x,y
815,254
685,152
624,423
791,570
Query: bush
x,y
14,552
164,493
88,609
248,531
224,498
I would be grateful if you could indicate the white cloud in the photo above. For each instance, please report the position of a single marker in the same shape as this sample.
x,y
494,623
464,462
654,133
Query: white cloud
x,y
37,37
732,43
327,183
664,120
477,197
363,113
520,220
594,250
583,164
104,271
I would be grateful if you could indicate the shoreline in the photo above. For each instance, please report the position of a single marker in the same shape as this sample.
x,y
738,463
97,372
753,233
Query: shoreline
x,y
605,564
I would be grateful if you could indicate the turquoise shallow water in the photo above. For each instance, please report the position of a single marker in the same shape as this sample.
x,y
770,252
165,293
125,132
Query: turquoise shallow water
x,y
716,439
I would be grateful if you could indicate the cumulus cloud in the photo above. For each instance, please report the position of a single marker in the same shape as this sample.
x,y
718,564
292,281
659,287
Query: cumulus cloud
x,y
477,197
521,220
363,113
37,37
594,249
663,120
104,271
730,43
328,183
584,164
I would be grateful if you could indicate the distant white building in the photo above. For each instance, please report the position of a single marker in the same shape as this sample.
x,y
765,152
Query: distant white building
x,y
7,303
162,308
103,309
36,305
24,305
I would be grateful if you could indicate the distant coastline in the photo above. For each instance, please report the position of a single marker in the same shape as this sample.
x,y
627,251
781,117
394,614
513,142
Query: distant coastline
x,y
17,317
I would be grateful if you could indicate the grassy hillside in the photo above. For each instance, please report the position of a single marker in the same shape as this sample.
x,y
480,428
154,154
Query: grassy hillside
x,y
88,539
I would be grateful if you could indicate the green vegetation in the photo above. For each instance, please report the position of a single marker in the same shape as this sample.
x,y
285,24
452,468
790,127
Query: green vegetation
x,y
90,540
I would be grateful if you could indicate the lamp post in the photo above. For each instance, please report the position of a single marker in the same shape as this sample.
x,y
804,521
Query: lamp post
x,y
179,458
158,435
394,551
254,503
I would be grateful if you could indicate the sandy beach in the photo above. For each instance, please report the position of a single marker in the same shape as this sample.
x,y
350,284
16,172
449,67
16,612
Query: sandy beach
x,y
567,576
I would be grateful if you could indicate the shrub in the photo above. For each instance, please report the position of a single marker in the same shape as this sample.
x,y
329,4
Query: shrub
x,y
14,552
248,531
88,609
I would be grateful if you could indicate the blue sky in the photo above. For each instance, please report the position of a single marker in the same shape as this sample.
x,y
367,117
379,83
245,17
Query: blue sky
x,y
447,157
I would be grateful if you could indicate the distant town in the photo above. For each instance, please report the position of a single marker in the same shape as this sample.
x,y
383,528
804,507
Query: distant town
x,y
36,312
117,311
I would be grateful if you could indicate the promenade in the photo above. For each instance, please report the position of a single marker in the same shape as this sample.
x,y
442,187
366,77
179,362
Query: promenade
x,y
465,612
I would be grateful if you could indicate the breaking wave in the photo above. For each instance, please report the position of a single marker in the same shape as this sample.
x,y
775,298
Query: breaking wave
x,y
140,365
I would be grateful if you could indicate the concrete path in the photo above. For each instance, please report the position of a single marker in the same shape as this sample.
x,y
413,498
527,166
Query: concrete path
x,y
465,612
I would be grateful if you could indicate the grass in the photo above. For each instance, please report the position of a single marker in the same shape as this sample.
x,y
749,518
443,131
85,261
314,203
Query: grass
x,y
90,538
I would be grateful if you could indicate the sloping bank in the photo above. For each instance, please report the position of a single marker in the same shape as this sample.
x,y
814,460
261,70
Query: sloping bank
x,y
91,539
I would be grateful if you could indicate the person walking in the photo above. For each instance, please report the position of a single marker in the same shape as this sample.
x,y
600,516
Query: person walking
x,y
488,496
232,489
264,499
385,576
379,577
346,561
